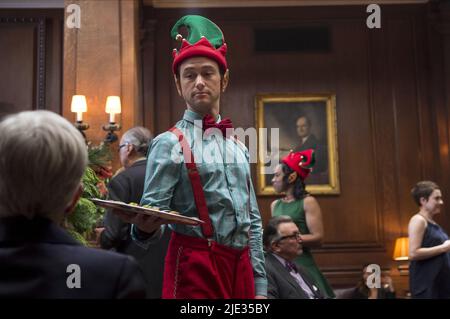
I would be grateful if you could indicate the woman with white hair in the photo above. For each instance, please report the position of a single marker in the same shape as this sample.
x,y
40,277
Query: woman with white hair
x,y
42,160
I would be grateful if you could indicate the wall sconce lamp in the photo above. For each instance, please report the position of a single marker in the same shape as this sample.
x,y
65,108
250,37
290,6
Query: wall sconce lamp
x,y
401,251
113,107
79,106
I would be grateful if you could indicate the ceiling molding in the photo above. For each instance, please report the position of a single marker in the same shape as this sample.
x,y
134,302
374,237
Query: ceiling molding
x,y
267,3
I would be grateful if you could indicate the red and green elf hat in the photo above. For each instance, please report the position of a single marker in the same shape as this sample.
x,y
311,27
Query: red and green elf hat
x,y
301,162
205,39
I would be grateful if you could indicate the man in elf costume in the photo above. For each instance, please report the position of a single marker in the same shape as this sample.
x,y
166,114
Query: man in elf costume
x,y
190,171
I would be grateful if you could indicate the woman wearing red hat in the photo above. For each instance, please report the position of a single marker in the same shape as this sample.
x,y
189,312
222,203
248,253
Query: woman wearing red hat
x,y
302,208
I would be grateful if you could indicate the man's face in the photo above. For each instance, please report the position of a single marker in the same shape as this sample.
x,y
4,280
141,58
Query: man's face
x,y
434,202
124,152
290,244
200,84
303,127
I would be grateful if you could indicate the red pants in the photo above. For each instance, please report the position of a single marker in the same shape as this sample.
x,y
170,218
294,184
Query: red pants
x,y
196,270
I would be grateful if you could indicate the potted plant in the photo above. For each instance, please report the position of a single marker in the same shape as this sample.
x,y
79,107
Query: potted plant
x,y
86,215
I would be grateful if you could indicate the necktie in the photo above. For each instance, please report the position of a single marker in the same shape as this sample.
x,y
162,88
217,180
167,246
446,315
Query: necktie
x,y
290,266
209,122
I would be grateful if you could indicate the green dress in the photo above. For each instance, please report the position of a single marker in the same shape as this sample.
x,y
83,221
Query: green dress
x,y
296,211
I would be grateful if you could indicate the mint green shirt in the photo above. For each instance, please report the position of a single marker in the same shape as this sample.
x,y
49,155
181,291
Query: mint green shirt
x,y
224,169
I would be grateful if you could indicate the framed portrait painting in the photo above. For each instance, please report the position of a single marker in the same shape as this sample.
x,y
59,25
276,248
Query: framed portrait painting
x,y
295,122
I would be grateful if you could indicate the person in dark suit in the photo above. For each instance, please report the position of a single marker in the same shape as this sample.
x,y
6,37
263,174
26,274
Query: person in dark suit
x,y
286,280
127,186
307,140
43,160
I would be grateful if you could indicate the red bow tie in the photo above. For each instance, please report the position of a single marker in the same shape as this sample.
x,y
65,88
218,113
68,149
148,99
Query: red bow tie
x,y
209,122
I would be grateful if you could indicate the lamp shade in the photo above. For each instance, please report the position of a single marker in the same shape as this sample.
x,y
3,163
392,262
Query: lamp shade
x,y
401,249
113,105
78,104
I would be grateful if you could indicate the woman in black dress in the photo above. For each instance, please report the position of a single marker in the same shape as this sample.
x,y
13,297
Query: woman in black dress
x,y
429,245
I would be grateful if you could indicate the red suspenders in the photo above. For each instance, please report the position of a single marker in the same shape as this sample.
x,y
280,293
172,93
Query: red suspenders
x,y
196,183
217,271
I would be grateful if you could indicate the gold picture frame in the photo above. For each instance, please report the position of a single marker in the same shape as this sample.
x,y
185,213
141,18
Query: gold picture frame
x,y
294,115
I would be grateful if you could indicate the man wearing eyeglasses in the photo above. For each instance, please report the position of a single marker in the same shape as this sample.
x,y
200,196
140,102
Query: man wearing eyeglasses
x,y
286,280
127,186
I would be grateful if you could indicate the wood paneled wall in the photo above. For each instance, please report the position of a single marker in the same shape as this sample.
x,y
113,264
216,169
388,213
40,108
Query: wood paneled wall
x,y
391,132
391,89
100,59
30,60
